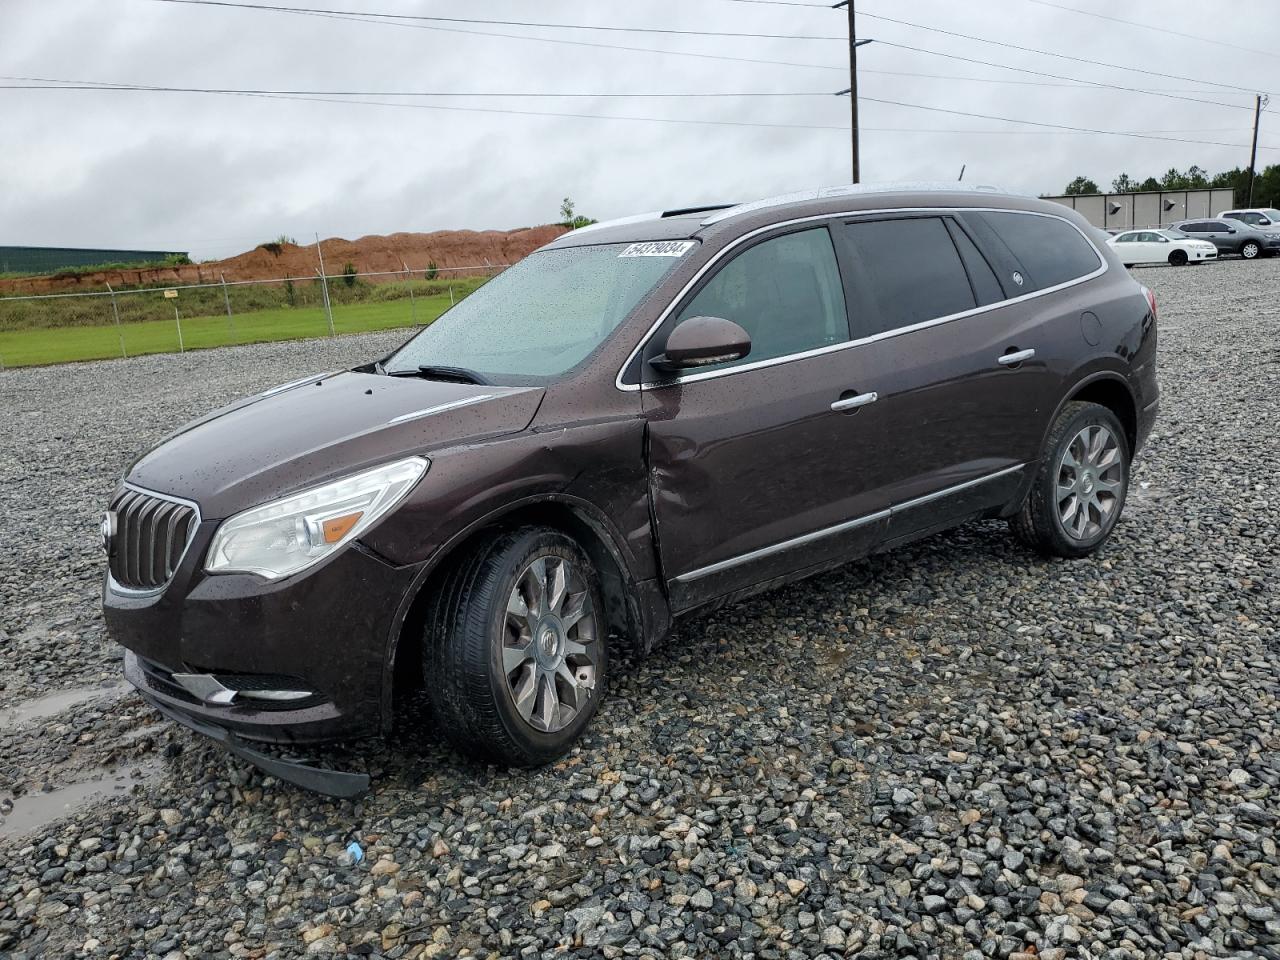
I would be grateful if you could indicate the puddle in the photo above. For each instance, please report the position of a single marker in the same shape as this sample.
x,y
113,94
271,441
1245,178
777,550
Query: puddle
x,y
41,708
34,810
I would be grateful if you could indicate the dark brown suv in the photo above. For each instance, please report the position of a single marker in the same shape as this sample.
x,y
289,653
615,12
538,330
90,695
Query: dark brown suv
x,y
638,420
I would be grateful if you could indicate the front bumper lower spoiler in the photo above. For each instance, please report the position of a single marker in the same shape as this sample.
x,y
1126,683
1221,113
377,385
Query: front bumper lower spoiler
x,y
333,783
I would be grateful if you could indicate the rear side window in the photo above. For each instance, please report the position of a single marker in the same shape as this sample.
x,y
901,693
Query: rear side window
x,y
981,277
1050,250
908,272
785,292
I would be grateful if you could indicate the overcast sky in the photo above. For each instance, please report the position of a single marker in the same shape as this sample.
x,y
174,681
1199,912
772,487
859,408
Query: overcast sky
x,y
218,174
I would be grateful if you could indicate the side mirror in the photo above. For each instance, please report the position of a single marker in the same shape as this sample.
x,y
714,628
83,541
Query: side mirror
x,y
1264,222
701,342
1231,229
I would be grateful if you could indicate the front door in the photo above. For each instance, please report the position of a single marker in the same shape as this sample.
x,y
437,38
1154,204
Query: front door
x,y
754,475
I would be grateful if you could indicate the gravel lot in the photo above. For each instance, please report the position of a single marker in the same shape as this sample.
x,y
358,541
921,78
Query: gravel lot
x,y
958,750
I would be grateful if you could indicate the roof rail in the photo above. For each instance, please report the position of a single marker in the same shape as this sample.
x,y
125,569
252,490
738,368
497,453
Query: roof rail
x,y
852,189
686,211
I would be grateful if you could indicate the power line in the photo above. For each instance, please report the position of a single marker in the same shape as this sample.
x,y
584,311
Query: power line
x,y
578,43
305,98
784,3
1052,126
373,16
758,60
396,17
1099,84
125,88
1049,53
1152,26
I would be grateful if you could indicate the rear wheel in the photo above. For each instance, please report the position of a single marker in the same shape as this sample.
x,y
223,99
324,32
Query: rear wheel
x,y
514,654
1080,487
1250,249
1178,258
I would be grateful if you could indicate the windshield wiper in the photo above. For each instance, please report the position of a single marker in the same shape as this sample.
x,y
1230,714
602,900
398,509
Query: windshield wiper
x,y
437,372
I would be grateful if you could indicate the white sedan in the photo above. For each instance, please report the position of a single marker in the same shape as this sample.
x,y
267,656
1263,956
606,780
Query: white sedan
x,y
1161,246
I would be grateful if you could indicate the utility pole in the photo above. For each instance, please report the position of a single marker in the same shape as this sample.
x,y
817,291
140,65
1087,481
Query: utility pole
x,y
1260,102
854,44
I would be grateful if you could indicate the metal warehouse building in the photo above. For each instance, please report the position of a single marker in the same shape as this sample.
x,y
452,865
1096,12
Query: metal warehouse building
x,y
53,259
1120,211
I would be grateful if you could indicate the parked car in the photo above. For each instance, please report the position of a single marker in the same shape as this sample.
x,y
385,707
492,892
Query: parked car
x,y
641,420
1233,236
1161,246
1255,217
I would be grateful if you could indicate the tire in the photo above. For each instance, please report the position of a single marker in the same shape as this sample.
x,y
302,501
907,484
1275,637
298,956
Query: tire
x,y
1098,485
1250,249
1178,258
470,636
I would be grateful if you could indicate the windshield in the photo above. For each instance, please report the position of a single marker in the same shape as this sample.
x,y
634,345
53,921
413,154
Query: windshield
x,y
543,316
1272,215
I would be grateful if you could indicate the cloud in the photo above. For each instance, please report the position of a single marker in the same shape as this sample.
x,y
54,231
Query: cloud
x,y
217,174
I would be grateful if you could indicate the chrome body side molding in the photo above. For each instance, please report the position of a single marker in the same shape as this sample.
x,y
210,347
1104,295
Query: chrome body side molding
x,y
848,525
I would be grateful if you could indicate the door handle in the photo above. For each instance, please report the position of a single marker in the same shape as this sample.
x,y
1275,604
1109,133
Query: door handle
x,y
851,403
1009,359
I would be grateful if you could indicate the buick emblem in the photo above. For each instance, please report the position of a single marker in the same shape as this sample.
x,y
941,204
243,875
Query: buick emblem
x,y
1017,278
108,530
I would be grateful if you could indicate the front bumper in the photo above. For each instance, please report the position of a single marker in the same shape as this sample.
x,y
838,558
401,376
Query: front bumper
x,y
329,630
333,783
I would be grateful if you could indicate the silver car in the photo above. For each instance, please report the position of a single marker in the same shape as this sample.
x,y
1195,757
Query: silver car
x,y
1234,236
1255,216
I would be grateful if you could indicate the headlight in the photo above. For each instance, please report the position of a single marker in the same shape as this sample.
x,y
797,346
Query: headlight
x,y
288,535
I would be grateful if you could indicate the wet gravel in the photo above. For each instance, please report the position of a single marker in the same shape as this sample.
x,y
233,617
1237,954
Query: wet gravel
x,y
958,750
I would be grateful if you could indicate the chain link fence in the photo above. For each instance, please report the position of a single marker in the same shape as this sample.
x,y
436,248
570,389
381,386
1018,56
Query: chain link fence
x,y
99,324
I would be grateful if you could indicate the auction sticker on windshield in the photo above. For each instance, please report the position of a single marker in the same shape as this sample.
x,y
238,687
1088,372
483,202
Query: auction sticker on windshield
x,y
659,248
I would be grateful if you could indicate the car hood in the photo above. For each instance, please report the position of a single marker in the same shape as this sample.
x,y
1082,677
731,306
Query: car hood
x,y
304,433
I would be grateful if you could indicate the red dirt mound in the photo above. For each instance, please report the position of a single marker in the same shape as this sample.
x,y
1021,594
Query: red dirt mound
x,y
444,248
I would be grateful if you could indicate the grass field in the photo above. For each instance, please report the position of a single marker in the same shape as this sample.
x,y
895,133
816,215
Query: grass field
x,y
20,348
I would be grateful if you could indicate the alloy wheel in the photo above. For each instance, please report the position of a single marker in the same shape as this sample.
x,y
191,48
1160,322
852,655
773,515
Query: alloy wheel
x,y
550,644
1250,250
1090,482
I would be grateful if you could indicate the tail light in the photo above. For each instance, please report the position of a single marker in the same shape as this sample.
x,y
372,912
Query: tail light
x,y
1151,302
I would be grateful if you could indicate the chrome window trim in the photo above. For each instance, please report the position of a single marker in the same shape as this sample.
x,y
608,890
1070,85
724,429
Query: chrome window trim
x,y
120,588
1103,267
762,552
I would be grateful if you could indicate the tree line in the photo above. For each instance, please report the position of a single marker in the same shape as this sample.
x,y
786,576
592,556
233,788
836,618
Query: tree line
x,y
1266,184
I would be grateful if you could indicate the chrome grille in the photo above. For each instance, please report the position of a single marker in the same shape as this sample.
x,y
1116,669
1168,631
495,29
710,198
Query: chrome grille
x,y
151,535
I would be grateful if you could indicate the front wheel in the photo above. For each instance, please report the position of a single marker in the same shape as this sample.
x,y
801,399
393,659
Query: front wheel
x,y
1080,486
1178,258
1250,249
515,648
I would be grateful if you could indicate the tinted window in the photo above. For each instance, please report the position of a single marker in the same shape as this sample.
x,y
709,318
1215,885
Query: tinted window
x,y
908,272
1217,226
981,277
785,292
1192,228
1050,250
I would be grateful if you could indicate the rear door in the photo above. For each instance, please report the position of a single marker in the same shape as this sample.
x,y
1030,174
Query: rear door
x,y
1222,234
927,304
